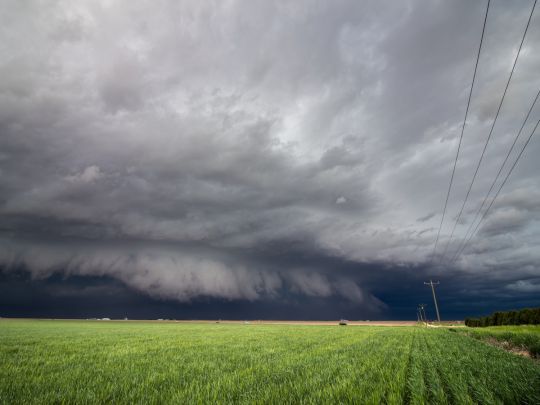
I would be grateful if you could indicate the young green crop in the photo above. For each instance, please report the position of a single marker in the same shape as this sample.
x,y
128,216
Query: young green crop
x,y
127,362
523,337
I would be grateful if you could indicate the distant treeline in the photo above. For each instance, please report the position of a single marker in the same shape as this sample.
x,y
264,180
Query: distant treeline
x,y
527,316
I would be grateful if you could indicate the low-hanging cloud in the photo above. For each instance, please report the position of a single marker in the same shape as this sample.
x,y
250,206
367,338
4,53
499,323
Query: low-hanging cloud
x,y
178,275
185,148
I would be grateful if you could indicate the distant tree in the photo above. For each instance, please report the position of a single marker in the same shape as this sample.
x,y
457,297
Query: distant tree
x,y
526,316
535,316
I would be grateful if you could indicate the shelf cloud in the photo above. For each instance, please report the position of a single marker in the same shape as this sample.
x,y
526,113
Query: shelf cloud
x,y
213,149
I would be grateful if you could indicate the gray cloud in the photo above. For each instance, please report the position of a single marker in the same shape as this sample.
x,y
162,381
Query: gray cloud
x,y
426,217
164,145
524,286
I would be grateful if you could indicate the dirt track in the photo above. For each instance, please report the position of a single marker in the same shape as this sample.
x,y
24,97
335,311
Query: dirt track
x,y
265,322
322,323
367,323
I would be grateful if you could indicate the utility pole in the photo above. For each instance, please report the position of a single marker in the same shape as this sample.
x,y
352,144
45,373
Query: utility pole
x,y
432,284
422,312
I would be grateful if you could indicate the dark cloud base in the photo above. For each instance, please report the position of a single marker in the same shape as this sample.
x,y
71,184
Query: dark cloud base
x,y
96,297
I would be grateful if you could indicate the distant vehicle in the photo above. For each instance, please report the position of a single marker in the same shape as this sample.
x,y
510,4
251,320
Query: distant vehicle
x,y
343,322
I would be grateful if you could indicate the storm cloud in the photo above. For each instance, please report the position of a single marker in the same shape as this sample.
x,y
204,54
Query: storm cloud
x,y
212,149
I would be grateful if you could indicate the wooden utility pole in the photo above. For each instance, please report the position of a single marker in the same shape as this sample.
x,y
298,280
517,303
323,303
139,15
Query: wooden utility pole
x,y
432,284
422,312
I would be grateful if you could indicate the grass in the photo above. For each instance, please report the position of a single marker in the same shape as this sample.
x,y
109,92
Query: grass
x,y
522,337
137,362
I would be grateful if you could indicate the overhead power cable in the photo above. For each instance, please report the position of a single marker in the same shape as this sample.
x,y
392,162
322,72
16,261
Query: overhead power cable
x,y
497,176
462,131
498,191
490,131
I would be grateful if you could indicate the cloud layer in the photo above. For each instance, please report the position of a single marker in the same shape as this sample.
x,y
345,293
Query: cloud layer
x,y
184,147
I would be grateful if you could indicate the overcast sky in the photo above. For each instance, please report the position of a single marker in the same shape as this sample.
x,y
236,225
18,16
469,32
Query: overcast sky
x,y
265,152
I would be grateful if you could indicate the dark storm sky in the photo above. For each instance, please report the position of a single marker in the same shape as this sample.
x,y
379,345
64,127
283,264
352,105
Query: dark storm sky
x,y
261,159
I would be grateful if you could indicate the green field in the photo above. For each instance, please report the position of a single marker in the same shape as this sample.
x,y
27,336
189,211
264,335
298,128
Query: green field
x,y
138,362
520,337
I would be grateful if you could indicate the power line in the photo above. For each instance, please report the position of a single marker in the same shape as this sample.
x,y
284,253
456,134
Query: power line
x,y
432,284
462,131
498,191
498,174
490,131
